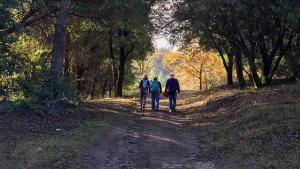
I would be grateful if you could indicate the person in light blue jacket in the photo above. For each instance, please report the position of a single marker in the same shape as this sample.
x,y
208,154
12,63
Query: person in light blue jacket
x,y
156,90
144,90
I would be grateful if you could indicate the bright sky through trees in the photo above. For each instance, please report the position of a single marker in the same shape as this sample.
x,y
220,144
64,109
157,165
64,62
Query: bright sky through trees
x,y
161,42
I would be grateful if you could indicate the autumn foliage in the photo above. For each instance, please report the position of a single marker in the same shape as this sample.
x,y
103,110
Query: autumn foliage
x,y
195,68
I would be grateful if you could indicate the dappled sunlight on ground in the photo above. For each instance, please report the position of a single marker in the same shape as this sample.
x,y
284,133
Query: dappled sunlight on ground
x,y
248,127
262,124
144,139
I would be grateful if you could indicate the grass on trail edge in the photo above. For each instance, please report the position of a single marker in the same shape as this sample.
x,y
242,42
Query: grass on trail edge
x,y
42,152
29,140
257,129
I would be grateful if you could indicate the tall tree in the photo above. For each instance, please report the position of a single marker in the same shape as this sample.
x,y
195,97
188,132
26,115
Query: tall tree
x,y
7,63
60,38
129,36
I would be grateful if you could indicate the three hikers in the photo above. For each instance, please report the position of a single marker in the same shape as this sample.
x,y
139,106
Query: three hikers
x,y
154,87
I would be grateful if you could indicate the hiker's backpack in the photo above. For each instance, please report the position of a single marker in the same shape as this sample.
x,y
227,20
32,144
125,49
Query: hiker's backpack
x,y
154,86
145,84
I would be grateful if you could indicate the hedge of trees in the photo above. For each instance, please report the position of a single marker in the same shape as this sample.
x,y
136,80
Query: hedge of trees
x,y
259,38
54,49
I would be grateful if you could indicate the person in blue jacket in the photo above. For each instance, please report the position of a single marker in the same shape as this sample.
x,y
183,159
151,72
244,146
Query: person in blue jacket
x,y
172,87
156,90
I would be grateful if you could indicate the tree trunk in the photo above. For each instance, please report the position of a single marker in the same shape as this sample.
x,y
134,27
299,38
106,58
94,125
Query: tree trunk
x,y
110,92
228,66
239,69
113,86
273,71
249,77
93,90
249,52
251,61
267,65
206,81
124,53
229,76
80,85
120,80
94,82
60,40
104,88
121,71
114,66
115,83
67,58
282,53
67,65
267,59
200,82
256,79
297,67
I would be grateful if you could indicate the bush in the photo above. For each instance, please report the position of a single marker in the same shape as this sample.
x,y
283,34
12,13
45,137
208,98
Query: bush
x,y
43,88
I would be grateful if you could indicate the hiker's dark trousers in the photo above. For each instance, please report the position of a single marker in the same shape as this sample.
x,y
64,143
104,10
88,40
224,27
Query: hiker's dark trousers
x,y
172,100
155,100
143,98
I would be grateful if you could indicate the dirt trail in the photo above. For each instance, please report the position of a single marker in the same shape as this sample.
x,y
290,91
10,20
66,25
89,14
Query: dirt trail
x,y
151,140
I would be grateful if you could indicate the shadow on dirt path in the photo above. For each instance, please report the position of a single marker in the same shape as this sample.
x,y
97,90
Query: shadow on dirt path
x,y
150,140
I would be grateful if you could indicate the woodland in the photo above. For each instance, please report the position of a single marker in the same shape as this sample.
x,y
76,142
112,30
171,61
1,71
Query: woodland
x,y
91,49
70,69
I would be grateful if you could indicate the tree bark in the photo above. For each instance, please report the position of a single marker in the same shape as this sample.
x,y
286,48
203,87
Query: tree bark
x,y
200,82
114,66
228,66
251,61
60,40
282,53
254,74
267,60
110,92
94,79
229,72
121,71
113,88
273,71
239,69
104,88
67,65
67,57
124,53
93,90
267,65
206,81
120,80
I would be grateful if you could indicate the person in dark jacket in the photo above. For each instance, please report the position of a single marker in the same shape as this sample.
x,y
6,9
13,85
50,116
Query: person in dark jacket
x,y
144,90
172,87
156,90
